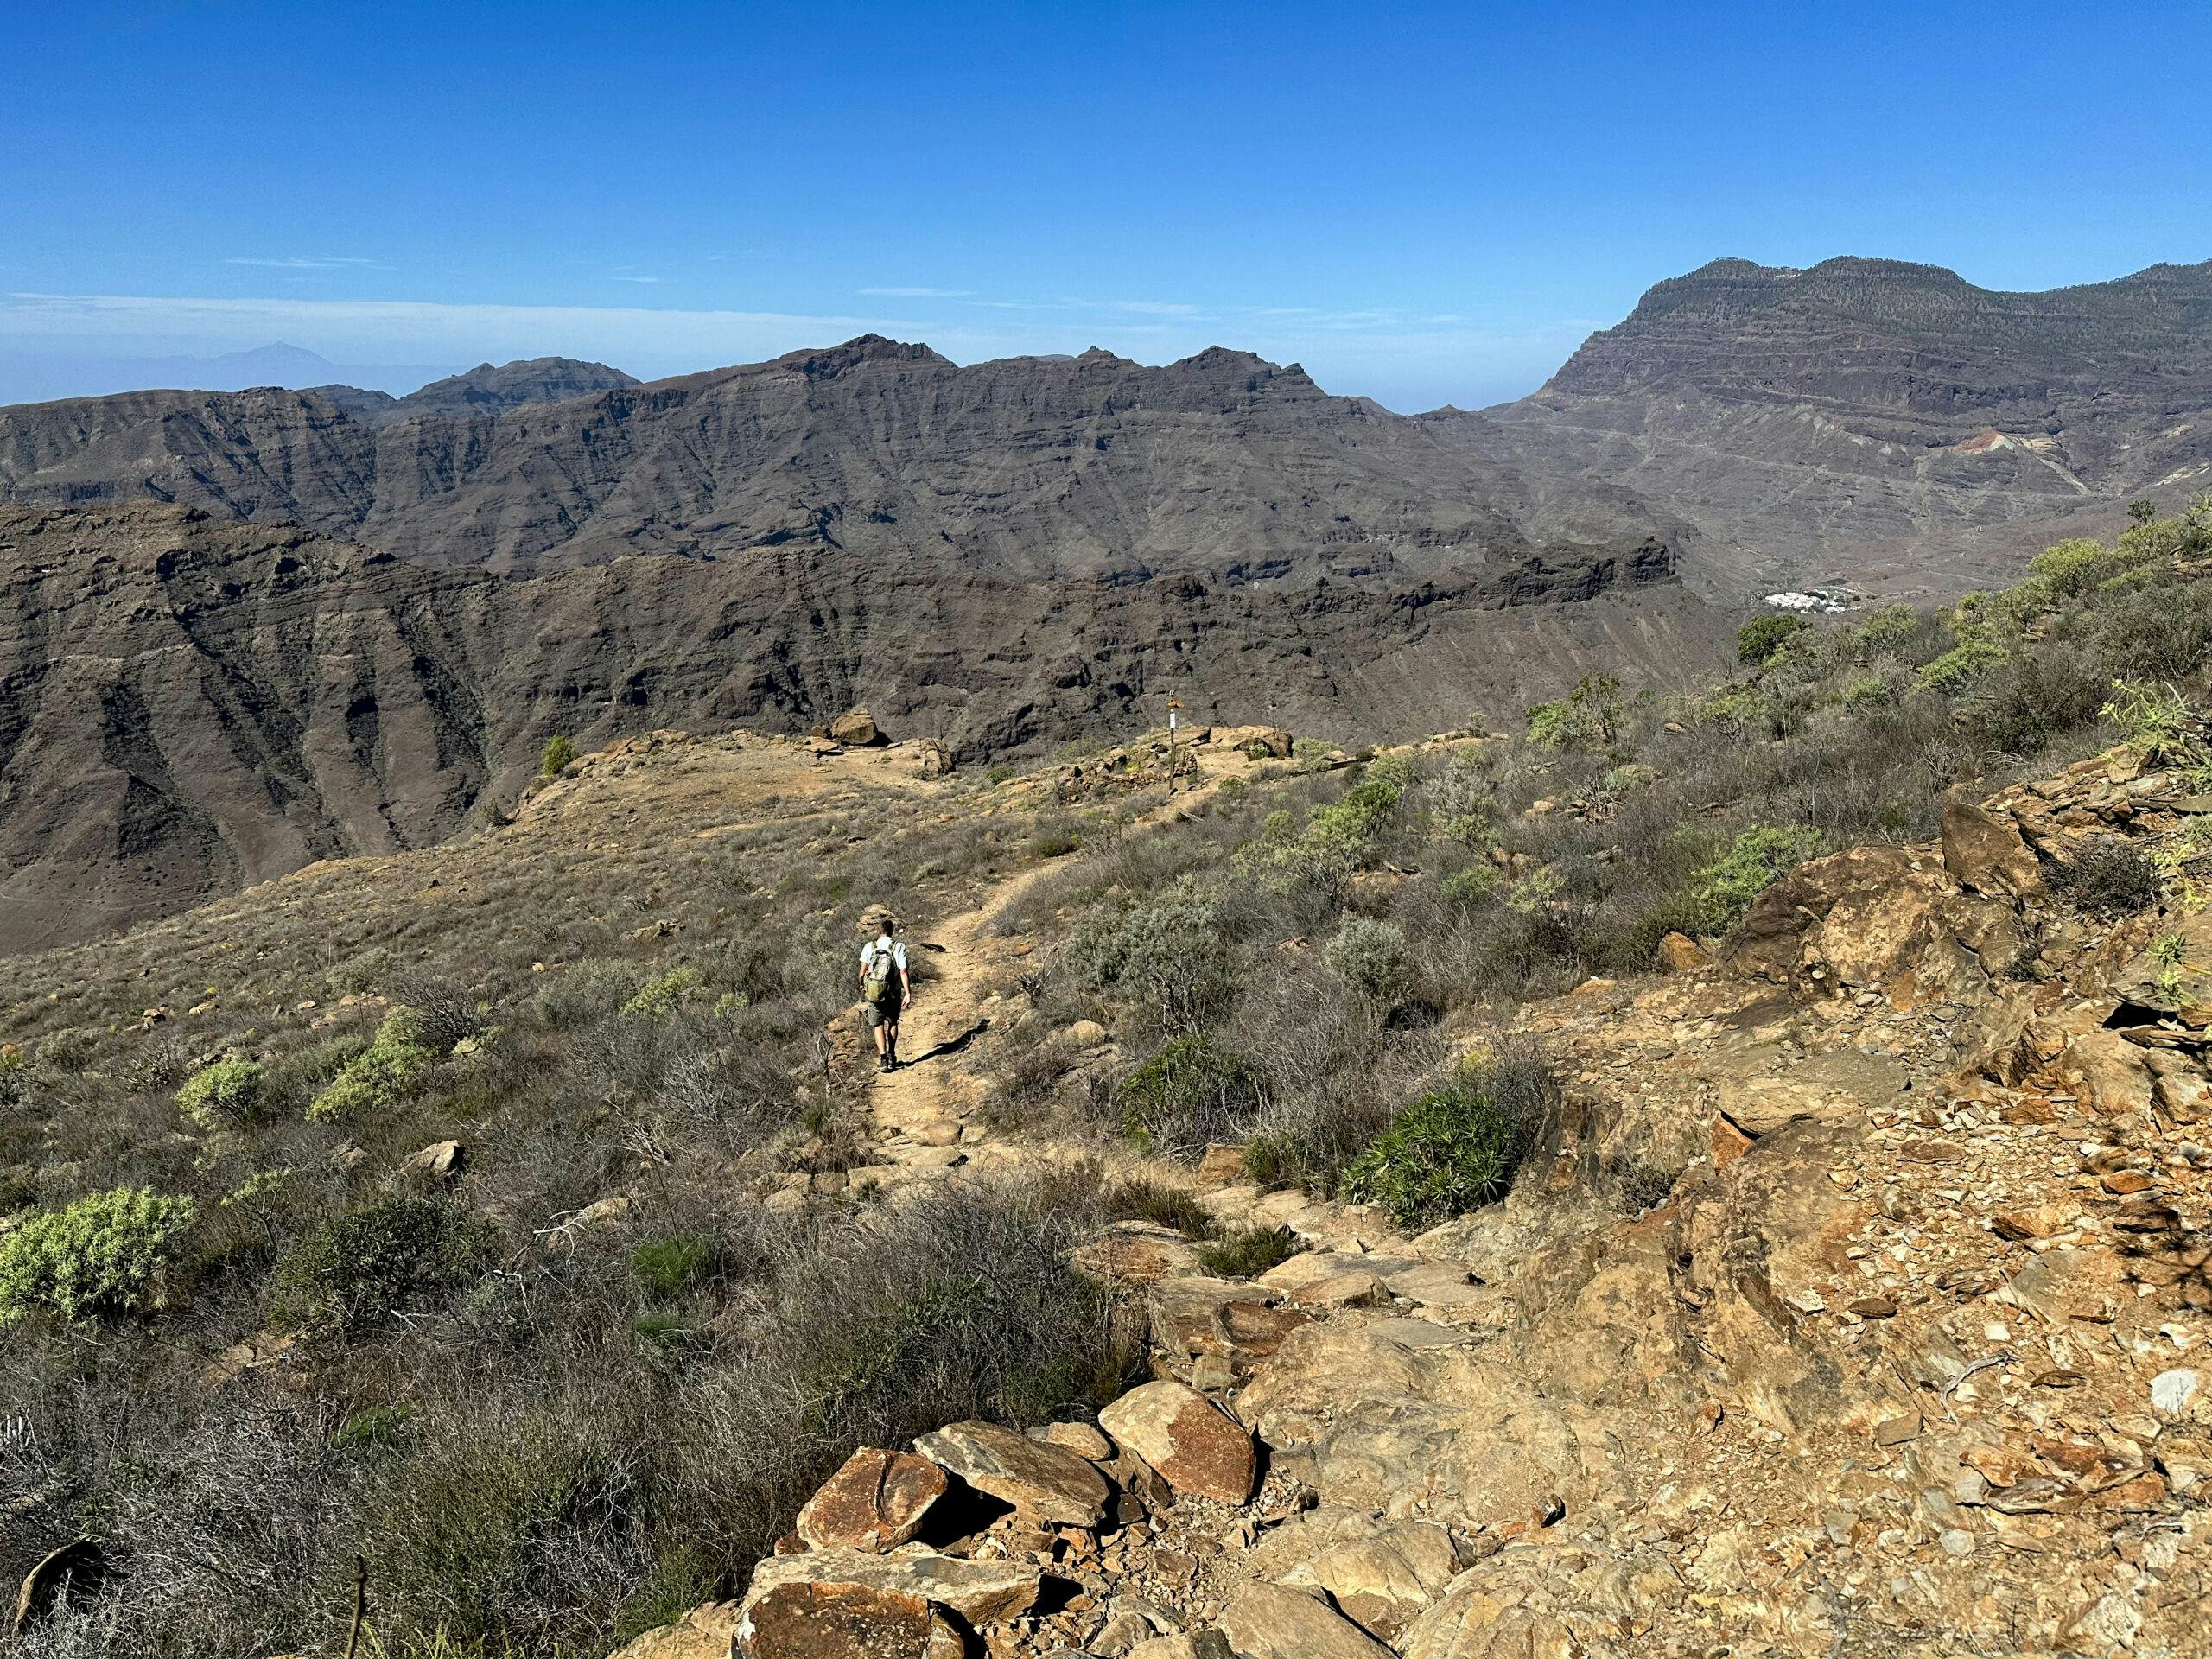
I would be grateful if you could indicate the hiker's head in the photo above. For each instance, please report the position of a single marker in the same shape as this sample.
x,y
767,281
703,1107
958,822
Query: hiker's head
x,y
885,922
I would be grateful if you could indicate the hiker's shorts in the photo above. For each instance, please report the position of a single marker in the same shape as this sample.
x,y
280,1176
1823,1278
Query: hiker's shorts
x,y
884,1016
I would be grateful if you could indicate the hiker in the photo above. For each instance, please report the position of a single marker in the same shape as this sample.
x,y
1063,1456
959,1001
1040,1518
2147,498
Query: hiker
x,y
885,988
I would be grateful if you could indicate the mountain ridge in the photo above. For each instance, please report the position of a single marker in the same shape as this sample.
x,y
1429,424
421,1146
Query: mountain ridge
x,y
1886,422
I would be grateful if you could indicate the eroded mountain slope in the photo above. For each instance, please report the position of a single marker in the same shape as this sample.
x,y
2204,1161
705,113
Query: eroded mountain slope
x,y
1875,421
194,704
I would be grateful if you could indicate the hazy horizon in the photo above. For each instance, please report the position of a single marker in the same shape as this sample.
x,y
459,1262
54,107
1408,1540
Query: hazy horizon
x,y
1432,205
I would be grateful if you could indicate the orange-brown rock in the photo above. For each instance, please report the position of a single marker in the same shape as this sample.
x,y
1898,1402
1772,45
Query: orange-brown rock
x,y
843,1621
876,1502
1194,1445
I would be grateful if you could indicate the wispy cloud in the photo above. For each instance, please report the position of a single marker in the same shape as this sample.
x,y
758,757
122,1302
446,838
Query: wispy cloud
x,y
302,262
1152,308
914,292
621,277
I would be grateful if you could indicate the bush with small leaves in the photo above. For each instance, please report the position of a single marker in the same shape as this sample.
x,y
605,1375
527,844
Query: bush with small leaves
x,y
1961,666
660,996
560,755
1370,957
1472,886
1587,718
357,1270
1166,953
105,1253
1868,691
1188,1094
1142,1198
381,1075
221,1095
1726,886
1249,1253
1763,638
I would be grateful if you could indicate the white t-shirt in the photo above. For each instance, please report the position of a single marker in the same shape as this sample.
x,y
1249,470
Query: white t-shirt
x,y
884,942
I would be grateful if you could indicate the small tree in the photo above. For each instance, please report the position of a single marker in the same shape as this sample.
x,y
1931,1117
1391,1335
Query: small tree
x,y
560,755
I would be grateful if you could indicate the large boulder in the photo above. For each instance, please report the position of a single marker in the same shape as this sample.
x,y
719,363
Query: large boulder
x,y
1382,1582
806,1620
1984,853
1193,1444
855,729
1047,1482
877,1501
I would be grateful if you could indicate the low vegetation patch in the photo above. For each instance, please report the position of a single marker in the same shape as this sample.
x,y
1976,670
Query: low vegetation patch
x,y
1455,1149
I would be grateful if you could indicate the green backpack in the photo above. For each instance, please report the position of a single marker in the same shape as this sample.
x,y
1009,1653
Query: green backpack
x,y
882,977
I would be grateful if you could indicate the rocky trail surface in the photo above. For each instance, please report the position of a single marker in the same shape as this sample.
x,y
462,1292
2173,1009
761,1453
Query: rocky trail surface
x,y
1856,1303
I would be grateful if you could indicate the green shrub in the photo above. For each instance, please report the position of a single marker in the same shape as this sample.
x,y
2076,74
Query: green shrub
x,y
221,1095
1287,861
375,1429
1058,842
1166,953
381,1075
1762,638
1452,1150
1353,821
356,1271
1962,664
1868,691
1369,956
1727,887
660,996
1473,885
462,1532
1249,1253
105,1253
664,1266
1186,1094
559,755
1888,630
1587,718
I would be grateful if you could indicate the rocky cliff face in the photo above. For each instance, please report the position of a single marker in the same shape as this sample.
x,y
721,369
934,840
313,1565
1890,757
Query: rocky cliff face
x,y
194,704
1091,466
1876,421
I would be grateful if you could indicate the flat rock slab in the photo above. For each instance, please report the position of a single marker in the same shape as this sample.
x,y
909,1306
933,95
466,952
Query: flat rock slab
x,y
1193,1444
1322,1278
979,1592
1137,1253
876,1502
841,1621
1265,1621
1439,1284
1047,1481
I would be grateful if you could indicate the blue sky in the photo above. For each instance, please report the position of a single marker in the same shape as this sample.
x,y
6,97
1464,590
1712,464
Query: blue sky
x,y
1422,203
